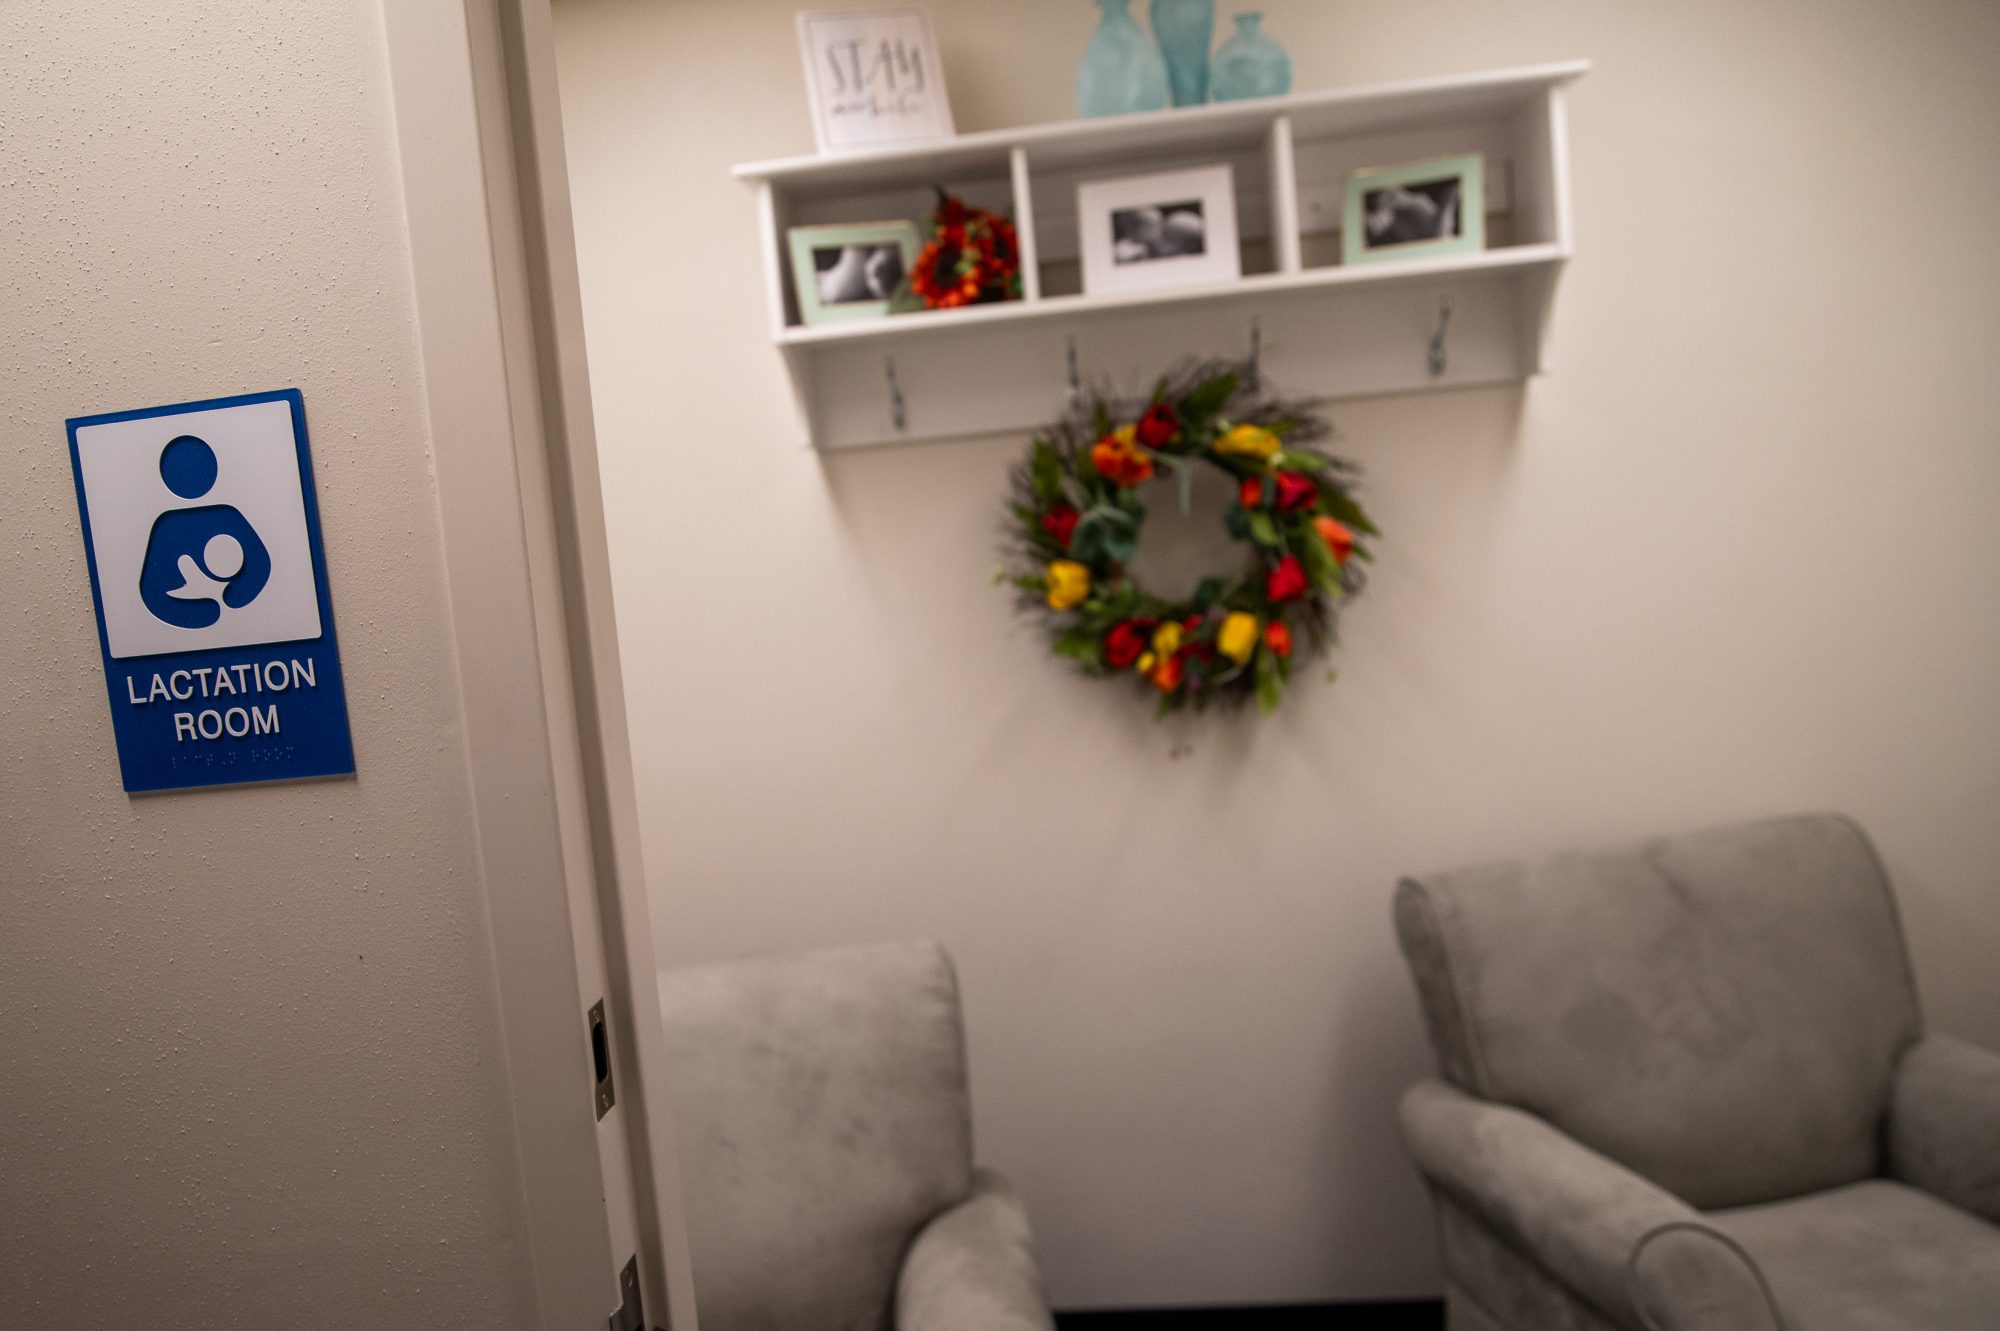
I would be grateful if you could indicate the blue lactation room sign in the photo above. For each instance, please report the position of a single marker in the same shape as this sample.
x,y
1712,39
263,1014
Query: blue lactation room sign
x,y
202,535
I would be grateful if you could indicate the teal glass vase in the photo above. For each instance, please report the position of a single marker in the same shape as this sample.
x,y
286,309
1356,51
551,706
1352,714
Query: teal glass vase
x,y
1122,70
1249,64
1185,29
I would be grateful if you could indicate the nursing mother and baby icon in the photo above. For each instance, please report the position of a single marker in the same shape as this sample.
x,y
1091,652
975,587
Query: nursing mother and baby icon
x,y
203,560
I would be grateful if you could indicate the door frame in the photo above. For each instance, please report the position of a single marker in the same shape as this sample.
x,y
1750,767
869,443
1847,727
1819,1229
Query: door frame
x,y
499,326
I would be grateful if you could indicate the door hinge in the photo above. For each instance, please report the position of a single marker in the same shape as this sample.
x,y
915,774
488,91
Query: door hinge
x,y
631,1314
600,1059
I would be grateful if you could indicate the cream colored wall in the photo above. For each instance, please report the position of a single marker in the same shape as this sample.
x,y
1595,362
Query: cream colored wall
x,y
253,1066
1733,557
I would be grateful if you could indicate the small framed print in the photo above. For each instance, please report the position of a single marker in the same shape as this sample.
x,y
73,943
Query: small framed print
x,y
874,78
851,271
1424,210
1172,228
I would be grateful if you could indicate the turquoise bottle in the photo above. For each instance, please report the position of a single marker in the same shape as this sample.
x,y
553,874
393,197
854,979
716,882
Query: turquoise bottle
x,y
1122,70
1249,64
1185,29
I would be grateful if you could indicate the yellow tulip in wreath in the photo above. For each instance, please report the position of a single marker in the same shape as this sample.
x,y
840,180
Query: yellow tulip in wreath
x,y
1074,519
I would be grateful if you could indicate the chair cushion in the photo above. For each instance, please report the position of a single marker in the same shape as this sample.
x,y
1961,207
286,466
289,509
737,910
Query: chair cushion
x,y
1720,1012
1873,1256
821,1114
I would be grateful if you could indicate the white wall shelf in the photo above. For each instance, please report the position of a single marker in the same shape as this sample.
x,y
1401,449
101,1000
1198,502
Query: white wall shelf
x,y
1323,330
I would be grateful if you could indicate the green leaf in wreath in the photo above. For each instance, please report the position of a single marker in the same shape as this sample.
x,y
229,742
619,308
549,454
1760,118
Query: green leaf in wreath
x,y
1205,399
1337,503
1038,536
1101,530
1264,531
1078,645
1237,521
1269,687
1286,461
1322,569
1114,514
1045,473
1121,602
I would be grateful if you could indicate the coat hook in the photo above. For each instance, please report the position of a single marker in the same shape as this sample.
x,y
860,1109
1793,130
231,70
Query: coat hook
x,y
1256,352
898,417
1075,379
1438,358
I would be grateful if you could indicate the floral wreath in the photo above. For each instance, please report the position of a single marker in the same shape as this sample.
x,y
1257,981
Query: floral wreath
x,y
1075,519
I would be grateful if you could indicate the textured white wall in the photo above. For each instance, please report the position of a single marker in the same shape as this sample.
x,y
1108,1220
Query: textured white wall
x,y
252,1063
1734,557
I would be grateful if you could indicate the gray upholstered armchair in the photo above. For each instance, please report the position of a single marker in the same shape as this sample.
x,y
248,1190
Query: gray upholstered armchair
x,y
1686,1085
825,1136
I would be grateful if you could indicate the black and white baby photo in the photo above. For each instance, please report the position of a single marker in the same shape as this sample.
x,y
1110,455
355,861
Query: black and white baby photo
x,y
850,273
1400,214
1158,231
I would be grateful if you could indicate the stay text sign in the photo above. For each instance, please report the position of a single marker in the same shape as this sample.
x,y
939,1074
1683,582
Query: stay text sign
x,y
874,79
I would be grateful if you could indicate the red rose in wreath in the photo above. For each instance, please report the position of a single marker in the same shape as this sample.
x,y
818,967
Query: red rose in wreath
x,y
1286,581
1295,492
1159,425
1060,523
1127,642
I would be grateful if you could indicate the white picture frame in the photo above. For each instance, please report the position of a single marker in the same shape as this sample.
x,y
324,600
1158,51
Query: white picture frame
x,y
1164,229
873,78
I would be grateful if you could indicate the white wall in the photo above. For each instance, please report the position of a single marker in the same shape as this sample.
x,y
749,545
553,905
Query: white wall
x,y
253,1062
1734,557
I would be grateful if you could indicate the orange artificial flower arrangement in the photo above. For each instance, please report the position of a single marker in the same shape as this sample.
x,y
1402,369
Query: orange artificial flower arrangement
x,y
971,257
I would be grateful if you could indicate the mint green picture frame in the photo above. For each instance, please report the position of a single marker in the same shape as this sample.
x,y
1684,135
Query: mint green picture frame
x,y
803,241
1468,168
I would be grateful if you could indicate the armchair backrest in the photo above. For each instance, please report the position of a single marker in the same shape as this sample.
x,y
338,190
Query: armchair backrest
x,y
822,1116
1720,1012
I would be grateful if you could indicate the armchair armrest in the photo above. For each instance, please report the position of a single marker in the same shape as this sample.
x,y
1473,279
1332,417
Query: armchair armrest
x,y
1633,1249
1944,1123
973,1267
